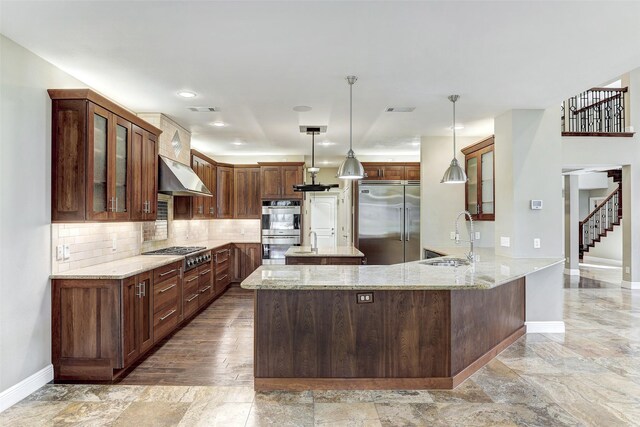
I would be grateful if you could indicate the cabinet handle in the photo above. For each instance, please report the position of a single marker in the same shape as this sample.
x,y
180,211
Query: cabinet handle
x,y
116,205
478,208
145,209
192,298
143,290
139,290
205,289
221,278
167,288
210,211
191,280
112,203
205,272
167,272
167,315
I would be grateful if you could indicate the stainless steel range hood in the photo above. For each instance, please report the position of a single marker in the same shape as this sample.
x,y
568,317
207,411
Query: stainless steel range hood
x,y
178,179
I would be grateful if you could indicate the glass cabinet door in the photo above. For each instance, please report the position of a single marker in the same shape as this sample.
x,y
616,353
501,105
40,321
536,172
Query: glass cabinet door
x,y
100,203
472,185
121,166
487,183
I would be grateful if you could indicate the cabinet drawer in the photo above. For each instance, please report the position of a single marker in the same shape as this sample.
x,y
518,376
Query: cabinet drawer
x,y
165,294
191,303
190,279
166,272
222,255
164,322
205,273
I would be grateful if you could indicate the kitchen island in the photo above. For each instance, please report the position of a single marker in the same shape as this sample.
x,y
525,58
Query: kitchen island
x,y
403,326
333,255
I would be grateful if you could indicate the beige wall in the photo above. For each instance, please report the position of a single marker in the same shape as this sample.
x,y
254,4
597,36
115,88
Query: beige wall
x,y
169,129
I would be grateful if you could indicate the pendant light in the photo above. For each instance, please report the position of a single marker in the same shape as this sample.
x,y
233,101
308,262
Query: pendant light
x,y
351,168
454,173
313,170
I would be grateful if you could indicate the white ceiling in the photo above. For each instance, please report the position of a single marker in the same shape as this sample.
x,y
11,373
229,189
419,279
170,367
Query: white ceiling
x,y
257,60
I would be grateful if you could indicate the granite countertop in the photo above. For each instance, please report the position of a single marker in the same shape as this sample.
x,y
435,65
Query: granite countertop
x,y
127,267
337,251
487,272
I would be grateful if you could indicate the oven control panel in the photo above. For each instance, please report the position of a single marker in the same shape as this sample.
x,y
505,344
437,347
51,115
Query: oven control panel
x,y
194,260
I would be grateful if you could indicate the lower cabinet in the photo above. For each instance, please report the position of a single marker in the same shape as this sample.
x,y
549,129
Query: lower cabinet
x,y
247,257
222,262
137,316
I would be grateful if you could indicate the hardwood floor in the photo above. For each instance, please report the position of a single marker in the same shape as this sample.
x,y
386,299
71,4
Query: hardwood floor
x,y
215,348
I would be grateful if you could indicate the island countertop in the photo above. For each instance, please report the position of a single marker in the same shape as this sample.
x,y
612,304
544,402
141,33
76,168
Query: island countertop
x,y
489,271
333,251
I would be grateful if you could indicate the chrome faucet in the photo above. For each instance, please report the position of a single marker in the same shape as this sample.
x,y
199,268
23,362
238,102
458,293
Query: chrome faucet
x,y
314,244
470,256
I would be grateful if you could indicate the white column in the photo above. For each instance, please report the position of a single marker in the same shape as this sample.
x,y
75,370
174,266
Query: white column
x,y
571,225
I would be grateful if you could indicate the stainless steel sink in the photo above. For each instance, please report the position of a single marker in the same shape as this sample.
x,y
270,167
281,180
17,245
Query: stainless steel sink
x,y
446,262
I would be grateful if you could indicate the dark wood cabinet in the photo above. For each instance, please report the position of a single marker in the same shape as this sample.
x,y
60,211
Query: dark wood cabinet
x,y
246,190
247,257
137,316
480,186
205,284
144,181
391,171
224,193
222,261
277,180
92,165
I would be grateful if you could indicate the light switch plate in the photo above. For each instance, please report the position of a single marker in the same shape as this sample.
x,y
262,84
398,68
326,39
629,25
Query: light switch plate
x,y
477,235
66,252
505,241
627,270
536,243
452,235
114,244
59,252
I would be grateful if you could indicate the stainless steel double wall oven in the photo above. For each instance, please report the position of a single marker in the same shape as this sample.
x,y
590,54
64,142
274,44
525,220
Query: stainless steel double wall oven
x,y
281,223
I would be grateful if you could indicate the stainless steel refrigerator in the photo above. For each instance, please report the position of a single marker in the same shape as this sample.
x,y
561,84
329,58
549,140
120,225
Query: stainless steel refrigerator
x,y
389,221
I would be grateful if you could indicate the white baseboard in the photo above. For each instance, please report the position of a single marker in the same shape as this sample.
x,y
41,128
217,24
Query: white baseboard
x,y
572,271
24,388
548,327
630,285
594,259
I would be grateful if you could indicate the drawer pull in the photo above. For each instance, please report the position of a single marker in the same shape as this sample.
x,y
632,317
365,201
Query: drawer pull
x,y
205,289
221,278
167,315
192,298
191,280
167,288
168,272
205,272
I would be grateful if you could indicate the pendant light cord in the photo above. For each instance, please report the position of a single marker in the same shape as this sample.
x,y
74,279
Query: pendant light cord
x,y
454,129
313,149
350,115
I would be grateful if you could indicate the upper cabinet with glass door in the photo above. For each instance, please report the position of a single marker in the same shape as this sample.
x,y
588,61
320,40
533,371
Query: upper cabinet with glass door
x,y
480,188
93,170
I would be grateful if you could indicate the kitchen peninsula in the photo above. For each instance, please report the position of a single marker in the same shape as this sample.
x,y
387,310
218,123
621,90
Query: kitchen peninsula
x,y
402,326
338,255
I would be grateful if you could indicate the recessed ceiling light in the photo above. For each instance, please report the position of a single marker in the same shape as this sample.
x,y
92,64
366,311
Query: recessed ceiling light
x,y
302,108
238,143
218,124
327,143
187,94
326,162
458,127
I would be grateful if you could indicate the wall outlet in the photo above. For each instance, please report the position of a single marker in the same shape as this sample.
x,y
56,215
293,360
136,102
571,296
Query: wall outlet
x,y
627,270
59,252
114,244
364,298
505,241
536,243
452,235
66,252
477,235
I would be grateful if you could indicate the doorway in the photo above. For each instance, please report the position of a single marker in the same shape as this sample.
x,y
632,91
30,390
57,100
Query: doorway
x,y
323,211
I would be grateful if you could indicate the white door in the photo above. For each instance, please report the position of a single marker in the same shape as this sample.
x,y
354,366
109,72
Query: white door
x,y
324,218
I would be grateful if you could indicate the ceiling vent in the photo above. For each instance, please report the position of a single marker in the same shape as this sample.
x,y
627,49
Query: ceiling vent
x,y
204,109
399,109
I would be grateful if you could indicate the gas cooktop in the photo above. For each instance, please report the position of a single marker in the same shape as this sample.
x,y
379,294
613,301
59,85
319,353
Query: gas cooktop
x,y
176,250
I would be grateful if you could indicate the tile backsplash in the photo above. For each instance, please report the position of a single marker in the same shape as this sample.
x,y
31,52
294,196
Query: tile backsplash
x,y
93,243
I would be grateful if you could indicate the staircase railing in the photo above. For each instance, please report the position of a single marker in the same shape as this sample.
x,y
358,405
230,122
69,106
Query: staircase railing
x,y
598,111
601,219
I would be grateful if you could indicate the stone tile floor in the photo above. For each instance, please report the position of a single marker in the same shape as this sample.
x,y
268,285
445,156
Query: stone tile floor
x,y
589,376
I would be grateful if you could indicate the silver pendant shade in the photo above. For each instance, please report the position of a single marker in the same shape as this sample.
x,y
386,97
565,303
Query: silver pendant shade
x,y
351,168
454,173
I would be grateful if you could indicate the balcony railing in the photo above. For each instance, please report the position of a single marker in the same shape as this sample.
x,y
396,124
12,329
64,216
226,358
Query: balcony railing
x,y
596,112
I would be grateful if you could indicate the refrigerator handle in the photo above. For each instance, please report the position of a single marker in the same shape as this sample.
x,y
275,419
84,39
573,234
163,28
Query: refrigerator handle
x,y
406,224
401,224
